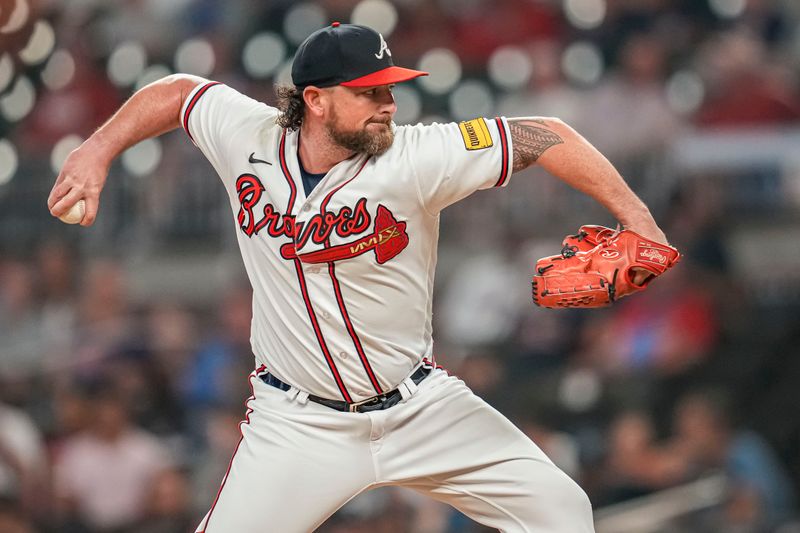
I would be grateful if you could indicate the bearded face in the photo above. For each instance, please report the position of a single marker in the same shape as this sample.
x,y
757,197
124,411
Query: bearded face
x,y
373,139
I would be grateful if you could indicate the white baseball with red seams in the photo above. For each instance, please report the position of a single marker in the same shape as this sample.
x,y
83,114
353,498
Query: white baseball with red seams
x,y
342,296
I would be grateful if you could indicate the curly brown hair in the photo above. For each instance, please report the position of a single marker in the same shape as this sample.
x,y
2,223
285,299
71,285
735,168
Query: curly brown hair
x,y
292,106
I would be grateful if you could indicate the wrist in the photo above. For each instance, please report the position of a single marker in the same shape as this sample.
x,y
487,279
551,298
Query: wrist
x,y
637,217
102,148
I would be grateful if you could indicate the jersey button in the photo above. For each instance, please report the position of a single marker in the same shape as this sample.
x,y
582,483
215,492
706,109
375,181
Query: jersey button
x,y
306,207
343,355
313,270
326,314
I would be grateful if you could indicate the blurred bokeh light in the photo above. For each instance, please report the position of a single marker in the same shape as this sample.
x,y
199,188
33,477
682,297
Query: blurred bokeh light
x,y
18,102
8,161
126,63
62,149
20,10
685,91
151,74
143,158
6,71
728,8
582,63
40,44
510,67
444,68
195,56
262,54
409,104
472,98
59,70
585,14
380,15
303,19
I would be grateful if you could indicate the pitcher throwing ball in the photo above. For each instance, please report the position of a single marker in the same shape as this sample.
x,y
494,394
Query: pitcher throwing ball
x,y
336,212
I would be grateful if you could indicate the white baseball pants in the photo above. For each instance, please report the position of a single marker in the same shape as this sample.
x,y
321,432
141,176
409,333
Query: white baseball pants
x,y
297,463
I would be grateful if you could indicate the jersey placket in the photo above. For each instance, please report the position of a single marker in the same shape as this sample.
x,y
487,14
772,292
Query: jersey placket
x,y
338,292
323,345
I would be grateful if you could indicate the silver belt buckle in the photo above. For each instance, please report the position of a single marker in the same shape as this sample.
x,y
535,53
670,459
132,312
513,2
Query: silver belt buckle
x,y
354,406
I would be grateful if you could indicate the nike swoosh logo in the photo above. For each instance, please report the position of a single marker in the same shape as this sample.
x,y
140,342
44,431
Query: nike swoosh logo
x,y
255,160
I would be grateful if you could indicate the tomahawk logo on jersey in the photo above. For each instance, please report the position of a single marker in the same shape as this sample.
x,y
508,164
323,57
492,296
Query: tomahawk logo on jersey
x,y
364,238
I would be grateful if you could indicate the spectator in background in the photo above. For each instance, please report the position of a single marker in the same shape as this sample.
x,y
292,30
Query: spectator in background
x,y
627,115
12,520
745,87
72,412
143,386
547,94
668,329
104,318
220,436
21,349
56,291
761,496
559,446
77,108
635,464
105,473
385,510
224,358
23,461
484,373
169,505
482,26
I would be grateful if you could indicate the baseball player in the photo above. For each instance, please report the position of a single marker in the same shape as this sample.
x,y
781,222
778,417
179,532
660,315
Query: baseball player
x,y
336,210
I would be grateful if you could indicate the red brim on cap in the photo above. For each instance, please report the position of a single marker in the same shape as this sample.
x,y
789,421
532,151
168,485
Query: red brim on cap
x,y
387,76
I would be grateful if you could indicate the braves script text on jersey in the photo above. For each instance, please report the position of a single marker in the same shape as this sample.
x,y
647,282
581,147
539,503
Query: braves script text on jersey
x,y
343,284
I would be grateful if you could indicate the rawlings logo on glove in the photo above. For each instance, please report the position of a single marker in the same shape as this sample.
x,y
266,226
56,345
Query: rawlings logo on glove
x,y
595,267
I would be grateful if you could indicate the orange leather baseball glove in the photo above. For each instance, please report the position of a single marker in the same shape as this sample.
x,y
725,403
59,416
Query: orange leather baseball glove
x,y
595,267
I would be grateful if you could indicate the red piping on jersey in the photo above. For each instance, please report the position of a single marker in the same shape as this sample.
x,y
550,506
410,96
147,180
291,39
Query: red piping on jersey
x,y
504,146
244,422
287,174
192,103
298,267
433,364
338,291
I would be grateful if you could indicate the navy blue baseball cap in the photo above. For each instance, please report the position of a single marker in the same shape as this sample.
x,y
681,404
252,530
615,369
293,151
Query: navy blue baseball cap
x,y
349,55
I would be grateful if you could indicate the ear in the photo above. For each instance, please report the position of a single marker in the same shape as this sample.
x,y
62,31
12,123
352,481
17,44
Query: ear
x,y
316,100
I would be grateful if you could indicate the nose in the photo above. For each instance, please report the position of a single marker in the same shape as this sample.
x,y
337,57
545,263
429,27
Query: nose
x,y
387,102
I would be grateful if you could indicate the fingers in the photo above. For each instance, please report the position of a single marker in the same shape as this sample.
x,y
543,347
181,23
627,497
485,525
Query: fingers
x,y
66,201
59,190
92,205
72,186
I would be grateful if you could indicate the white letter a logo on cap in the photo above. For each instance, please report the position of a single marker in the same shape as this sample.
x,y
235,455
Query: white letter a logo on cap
x,y
384,48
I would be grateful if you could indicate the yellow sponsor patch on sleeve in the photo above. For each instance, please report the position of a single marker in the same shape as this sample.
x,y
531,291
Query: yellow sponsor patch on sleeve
x,y
475,133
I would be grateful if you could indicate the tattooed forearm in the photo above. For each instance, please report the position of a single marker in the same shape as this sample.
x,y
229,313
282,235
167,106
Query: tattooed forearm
x,y
531,138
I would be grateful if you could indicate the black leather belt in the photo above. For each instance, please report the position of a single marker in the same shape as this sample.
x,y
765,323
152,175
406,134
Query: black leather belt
x,y
376,403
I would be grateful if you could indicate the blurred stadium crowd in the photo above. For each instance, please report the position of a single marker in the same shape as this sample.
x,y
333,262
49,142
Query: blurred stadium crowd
x,y
124,348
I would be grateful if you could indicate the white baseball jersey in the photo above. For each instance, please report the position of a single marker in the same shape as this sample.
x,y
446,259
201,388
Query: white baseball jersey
x,y
343,278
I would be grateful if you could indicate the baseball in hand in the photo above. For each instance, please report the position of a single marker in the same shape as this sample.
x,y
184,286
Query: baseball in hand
x,y
75,213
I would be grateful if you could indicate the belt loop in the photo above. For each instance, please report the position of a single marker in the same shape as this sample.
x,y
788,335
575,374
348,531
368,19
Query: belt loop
x,y
407,388
300,396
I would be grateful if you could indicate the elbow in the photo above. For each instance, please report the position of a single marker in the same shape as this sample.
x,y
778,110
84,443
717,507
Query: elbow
x,y
175,88
558,125
182,82
563,130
